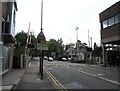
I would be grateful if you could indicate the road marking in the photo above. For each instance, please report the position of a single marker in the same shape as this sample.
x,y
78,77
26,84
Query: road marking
x,y
96,76
79,68
100,74
55,80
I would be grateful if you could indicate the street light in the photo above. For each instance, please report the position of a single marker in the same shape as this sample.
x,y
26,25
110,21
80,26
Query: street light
x,y
77,40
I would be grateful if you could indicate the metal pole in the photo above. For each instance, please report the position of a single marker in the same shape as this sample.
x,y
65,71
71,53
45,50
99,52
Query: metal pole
x,y
77,41
42,64
41,15
41,59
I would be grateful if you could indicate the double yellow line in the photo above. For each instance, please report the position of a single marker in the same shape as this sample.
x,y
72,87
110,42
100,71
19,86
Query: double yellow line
x,y
57,84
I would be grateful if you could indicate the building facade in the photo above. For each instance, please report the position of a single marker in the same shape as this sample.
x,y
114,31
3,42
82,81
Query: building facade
x,y
110,31
7,34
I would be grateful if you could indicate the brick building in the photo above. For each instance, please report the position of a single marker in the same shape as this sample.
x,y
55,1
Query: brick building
x,y
7,31
110,31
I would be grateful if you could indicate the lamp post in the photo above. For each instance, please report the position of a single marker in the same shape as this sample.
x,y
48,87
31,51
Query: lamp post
x,y
77,41
41,15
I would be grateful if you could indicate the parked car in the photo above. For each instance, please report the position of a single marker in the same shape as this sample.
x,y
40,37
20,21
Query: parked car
x,y
45,58
50,59
69,59
64,59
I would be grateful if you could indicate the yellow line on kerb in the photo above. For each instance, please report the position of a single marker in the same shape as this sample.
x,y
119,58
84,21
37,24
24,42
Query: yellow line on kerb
x,y
57,83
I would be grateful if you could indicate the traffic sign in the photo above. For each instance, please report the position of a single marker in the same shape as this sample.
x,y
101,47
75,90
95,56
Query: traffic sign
x,y
42,46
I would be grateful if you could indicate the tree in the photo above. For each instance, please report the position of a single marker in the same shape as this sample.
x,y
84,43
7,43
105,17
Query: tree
x,y
21,39
55,46
60,41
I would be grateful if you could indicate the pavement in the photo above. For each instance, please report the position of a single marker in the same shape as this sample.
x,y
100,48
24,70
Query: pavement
x,y
11,78
29,79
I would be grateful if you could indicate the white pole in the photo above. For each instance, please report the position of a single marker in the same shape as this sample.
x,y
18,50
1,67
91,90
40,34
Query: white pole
x,y
88,39
91,41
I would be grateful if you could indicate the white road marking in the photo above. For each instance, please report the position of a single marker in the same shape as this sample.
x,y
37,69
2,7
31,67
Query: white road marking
x,y
79,68
100,74
97,76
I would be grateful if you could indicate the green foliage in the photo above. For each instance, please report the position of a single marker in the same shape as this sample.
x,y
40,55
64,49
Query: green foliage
x,y
18,51
55,46
21,37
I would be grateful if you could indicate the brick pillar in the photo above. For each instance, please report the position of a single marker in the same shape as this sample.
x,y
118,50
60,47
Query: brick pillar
x,y
103,54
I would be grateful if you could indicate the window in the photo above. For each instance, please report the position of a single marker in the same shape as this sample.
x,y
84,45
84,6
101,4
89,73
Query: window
x,y
105,24
116,19
111,21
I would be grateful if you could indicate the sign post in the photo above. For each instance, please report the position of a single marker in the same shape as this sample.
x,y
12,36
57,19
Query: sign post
x,y
41,47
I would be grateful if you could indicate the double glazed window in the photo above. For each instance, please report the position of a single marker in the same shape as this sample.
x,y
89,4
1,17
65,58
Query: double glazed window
x,y
117,18
105,24
111,21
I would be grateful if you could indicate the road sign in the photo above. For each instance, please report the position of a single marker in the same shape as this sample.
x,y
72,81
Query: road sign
x,y
42,46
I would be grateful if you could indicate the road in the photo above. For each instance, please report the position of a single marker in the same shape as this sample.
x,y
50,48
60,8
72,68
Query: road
x,y
82,76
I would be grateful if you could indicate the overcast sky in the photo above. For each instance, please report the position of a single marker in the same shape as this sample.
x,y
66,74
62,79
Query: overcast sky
x,y
61,17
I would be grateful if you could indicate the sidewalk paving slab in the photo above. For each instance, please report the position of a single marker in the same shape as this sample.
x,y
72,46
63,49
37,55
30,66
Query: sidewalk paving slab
x,y
11,78
31,80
